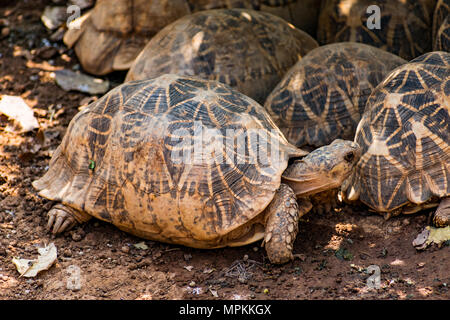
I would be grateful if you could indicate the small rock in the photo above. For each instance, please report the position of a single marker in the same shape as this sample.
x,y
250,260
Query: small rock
x,y
67,252
245,257
192,284
82,4
255,249
5,32
69,80
46,52
77,236
16,108
54,17
125,249
187,257
242,280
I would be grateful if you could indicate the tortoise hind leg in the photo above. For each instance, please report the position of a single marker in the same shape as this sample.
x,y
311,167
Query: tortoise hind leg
x,y
442,214
281,224
62,218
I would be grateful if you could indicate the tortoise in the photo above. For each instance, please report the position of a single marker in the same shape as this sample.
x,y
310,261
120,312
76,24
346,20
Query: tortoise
x,y
403,27
246,49
303,14
111,35
188,161
441,26
322,97
405,139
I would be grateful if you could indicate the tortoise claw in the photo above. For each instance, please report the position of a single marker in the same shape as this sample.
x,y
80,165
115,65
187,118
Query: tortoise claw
x,y
59,220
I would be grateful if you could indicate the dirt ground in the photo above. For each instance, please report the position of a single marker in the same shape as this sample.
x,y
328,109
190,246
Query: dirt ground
x,y
334,250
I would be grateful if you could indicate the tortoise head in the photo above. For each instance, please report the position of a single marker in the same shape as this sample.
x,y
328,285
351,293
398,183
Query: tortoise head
x,y
323,169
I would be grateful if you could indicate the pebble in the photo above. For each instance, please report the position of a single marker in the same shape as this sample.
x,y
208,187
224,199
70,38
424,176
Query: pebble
x,y
192,284
67,252
76,237
125,249
187,257
5,32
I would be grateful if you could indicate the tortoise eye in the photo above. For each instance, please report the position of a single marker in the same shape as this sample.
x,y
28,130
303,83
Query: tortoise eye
x,y
349,157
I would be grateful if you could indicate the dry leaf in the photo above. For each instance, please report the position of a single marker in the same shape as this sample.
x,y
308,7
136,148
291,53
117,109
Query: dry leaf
x,y
30,268
16,108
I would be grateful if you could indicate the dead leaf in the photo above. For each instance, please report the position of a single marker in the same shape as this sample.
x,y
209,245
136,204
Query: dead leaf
x,y
30,268
69,80
16,108
141,245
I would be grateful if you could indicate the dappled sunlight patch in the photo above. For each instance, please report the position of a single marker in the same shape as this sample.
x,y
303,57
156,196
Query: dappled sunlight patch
x,y
7,282
425,292
398,262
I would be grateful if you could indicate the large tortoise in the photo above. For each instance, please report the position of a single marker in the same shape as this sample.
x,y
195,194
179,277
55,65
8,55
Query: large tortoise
x,y
441,26
188,161
405,139
303,14
322,97
111,35
404,26
246,49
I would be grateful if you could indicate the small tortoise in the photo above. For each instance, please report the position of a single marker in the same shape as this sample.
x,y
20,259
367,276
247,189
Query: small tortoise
x,y
322,97
111,35
441,26
403,27
246,49
405,139
188,161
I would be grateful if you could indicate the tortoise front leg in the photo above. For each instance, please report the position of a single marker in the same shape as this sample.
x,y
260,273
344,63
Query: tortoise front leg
x,y
63,218
281,224
442,214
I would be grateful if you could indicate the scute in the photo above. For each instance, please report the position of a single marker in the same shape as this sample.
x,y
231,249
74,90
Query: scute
x,y
246,49
405,136
140,141
404,25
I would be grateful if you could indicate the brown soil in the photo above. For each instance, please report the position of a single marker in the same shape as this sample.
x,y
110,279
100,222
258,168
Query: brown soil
x,y
334,249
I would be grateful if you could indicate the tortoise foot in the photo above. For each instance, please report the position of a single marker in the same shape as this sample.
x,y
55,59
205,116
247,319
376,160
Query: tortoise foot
x,y
442,214
282,217
62,218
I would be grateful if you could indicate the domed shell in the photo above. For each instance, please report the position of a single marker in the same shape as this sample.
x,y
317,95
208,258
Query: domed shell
x,y
322,97
402,27
246,49
172,159
441,26
405,137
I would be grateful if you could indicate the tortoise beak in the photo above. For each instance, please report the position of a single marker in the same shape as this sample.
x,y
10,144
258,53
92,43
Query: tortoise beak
x,y
310,183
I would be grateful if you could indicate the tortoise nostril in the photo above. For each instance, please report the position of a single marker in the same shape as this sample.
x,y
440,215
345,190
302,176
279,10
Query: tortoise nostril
x,y
349,157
